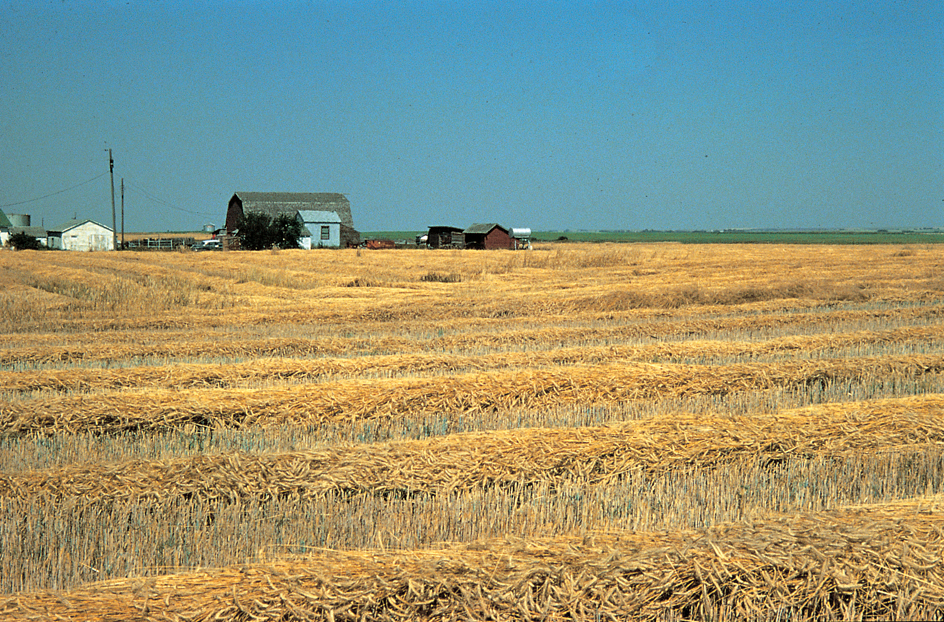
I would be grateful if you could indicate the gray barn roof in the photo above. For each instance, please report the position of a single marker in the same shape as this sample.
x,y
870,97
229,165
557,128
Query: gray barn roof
x,y
4,221
275,203
484,228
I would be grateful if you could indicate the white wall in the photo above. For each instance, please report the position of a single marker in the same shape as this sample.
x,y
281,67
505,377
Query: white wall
x,y
88,237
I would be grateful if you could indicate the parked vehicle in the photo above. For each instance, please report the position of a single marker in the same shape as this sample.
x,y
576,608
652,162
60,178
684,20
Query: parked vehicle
x,y
208,245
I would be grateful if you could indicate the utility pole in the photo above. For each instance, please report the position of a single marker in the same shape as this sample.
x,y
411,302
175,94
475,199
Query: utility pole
x,y
114,225
122,213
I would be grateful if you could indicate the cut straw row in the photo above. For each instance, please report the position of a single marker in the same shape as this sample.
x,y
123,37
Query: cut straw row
x,y
881,561
527,456
103,350
355,400
268,370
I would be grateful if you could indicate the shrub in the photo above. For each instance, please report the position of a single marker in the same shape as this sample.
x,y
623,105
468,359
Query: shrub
x,y
23,241
440,277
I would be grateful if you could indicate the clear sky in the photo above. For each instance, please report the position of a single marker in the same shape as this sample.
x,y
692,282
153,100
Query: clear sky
x,y
548,115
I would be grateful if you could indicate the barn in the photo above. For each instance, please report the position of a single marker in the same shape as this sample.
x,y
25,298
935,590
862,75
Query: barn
x,y
445,237
291,203
487,236
82,235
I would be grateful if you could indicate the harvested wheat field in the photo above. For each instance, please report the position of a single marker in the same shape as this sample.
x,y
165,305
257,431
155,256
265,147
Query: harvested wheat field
x,y
577,432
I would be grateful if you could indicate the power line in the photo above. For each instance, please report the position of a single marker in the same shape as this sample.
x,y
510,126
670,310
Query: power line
x,y
164,202
52,194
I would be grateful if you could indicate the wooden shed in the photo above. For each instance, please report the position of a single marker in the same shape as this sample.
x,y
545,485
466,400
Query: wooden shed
x,y
488,236
445,237
291,203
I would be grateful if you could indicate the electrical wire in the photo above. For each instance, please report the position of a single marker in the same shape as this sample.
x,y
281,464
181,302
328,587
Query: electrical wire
x,y
52,194
163,202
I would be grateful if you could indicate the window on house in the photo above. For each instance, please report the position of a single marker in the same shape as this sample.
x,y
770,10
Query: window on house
x,y
325,232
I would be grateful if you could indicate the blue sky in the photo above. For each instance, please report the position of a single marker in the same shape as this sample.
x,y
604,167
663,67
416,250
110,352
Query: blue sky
x,y
549,115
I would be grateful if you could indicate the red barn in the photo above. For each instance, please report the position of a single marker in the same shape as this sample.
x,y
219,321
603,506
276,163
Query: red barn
x,y
487,236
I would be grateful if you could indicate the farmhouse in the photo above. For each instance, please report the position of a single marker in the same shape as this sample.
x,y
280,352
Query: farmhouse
x,y
320,229
291,204
82,235
487,236
5,226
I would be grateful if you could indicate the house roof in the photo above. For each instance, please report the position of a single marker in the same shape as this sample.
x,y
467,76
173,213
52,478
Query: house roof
x,y
275,203
319,216
72,224
484,228
4,221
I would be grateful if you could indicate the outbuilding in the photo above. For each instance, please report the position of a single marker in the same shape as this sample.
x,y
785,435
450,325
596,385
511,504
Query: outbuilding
x,y
520,238
445,237
82,235
487,236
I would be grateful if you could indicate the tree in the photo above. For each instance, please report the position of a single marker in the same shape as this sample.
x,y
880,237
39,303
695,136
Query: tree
x,y
22,241
254,231
259,231
286,231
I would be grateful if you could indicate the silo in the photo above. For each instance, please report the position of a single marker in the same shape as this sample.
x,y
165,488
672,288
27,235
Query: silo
x,y
19,220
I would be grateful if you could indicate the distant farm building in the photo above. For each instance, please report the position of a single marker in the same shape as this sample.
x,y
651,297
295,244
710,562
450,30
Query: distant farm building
x,y
320,229
292,204
445,237
82,235
487,236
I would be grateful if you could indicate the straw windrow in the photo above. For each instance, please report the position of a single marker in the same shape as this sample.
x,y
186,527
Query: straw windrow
x,y
529,456
458,394
873,562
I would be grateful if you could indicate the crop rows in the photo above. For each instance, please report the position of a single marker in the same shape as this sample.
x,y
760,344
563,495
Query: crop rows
x,y
576,432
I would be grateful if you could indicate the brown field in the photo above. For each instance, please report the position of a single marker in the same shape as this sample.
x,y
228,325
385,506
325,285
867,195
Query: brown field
x,y
579,432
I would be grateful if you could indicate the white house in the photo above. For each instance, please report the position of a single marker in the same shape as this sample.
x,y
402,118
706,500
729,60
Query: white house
x,y
5,226
320,229
82,235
